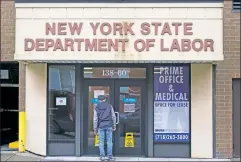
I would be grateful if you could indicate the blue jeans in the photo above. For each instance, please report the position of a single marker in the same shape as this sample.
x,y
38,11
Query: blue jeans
x,y
108,132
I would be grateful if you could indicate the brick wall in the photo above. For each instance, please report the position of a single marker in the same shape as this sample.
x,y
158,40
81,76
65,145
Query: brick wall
x,y
226,70
22,79
8,44
7,30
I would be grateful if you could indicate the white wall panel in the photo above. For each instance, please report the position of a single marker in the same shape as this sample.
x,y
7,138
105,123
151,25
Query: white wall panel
x,y
36,118
57,13
201,111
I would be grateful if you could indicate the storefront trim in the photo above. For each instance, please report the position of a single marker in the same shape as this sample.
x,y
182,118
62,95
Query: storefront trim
x,y
79,112
71,62
217,4
150,112
214,108
76,146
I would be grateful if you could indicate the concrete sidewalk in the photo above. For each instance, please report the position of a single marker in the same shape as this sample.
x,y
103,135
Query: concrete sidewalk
x,y
16,156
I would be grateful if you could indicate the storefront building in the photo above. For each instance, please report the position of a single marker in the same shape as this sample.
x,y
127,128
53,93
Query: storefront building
x,y
155,62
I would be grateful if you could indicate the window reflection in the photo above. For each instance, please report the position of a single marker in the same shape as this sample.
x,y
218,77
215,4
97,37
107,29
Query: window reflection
x,y
61,105
94,92
9,73
130,114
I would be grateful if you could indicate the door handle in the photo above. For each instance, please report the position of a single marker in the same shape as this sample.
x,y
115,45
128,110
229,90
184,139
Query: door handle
x,y
118,117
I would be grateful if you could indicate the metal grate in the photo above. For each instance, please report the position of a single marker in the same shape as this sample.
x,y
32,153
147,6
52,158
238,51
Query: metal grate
x,y
236,5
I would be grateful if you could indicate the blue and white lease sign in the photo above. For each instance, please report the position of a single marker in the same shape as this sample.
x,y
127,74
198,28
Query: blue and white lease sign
x,y
171,104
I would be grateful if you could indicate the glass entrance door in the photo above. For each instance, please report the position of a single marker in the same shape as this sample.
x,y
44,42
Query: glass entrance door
x,y
92,89
126,96
129,104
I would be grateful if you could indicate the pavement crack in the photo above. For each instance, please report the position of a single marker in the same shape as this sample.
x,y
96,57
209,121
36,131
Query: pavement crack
x,y
10,157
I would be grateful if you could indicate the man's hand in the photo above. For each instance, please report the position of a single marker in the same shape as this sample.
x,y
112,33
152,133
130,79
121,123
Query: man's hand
x,y
113,129
96,132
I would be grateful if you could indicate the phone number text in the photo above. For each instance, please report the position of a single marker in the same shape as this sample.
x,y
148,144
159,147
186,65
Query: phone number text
x,y
171,137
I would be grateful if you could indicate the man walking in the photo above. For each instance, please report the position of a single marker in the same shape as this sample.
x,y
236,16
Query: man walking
x,y
104,123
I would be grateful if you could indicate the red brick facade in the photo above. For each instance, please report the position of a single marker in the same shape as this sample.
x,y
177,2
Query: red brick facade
x,y
8,44
7,30
226,70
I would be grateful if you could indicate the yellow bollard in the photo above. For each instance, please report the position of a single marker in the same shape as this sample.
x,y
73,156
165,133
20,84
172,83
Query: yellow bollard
x,y
21,136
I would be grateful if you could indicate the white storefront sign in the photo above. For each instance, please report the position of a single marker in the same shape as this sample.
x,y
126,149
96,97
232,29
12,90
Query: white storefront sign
x,y
63,34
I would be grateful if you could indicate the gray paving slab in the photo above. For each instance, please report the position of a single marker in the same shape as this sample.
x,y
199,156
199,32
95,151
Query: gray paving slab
x,y
23,158
5,157
47,160
84,158
60,158
15,156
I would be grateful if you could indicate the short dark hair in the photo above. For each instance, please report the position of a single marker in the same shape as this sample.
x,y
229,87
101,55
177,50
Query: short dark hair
x,y
101,97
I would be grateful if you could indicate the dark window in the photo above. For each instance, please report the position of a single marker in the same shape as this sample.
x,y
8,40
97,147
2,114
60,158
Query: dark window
x,y
61,103
9,73
236,5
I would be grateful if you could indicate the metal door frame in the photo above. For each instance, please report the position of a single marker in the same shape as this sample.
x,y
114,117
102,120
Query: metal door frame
x,y
130,151
91,82
113,84
234,82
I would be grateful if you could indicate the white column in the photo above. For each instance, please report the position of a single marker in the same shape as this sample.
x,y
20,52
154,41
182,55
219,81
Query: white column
x,y
201,111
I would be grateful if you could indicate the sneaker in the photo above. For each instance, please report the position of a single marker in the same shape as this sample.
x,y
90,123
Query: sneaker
x,y
102,158
111,159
